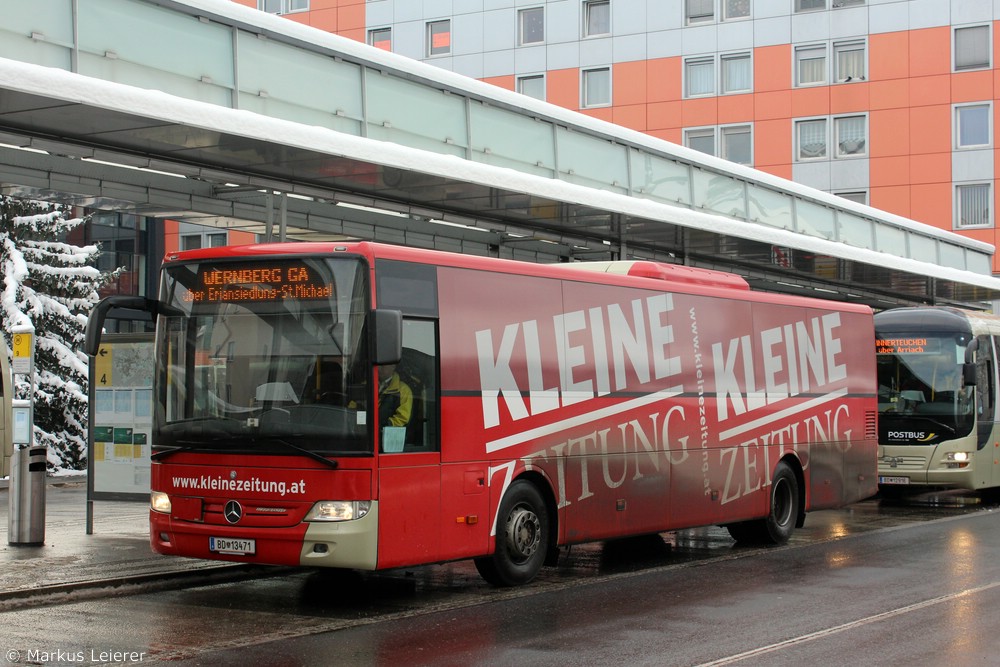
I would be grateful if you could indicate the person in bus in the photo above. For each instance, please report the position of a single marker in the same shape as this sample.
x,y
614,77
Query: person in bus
x,y
395,398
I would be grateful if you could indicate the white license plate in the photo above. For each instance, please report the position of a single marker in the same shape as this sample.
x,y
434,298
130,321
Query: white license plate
x,y
893,480
231,545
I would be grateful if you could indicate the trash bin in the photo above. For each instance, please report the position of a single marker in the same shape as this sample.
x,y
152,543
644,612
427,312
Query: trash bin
x,y
27,496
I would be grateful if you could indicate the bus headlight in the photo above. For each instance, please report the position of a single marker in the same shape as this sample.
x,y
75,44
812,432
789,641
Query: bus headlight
x,y
159,502
957,459
338,510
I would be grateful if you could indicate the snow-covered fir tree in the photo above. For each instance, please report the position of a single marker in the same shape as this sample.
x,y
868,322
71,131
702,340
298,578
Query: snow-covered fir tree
x,y
51,285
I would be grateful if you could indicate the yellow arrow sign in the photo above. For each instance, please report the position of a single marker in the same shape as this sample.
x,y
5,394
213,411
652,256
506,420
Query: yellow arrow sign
x,y
102,366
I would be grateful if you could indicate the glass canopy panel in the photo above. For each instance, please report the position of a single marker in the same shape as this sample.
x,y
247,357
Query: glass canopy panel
x,y
507,139
414,115
923,248
855,230
719,193
951,255
890,239
277,78
661,179
815,220
51,23
769,207
591,161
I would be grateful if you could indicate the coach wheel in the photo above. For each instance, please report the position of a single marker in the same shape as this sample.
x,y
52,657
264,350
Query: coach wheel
x,y
782,515
522,538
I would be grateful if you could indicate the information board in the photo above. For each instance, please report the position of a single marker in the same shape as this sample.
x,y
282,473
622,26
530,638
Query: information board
x,y
121,417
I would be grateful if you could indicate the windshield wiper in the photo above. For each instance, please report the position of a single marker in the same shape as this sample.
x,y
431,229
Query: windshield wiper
x,y
302,450
167,451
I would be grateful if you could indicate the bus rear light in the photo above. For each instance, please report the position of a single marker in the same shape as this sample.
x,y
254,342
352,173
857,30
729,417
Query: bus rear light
x,y
159,502
338,510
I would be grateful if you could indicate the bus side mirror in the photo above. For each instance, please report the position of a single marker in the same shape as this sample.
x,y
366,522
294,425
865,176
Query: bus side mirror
x,y
95,322
387,341
969,375
970,350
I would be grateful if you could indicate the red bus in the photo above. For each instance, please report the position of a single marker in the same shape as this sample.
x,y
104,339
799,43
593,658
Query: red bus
x,y
368,406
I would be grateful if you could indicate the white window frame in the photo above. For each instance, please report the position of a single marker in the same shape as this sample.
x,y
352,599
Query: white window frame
x,y
697,19
954,48
798,61
856,196
521,15
958,125
724,88
702,133
839,154
204,239
799,6
519,84
727,16
796,128
373,31
841,4
588,6
699,61
287,6
585,88
849,46
959,187
727,130
429,34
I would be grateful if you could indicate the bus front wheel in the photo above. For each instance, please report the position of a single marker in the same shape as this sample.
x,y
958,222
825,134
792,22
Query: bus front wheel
x,y
522,539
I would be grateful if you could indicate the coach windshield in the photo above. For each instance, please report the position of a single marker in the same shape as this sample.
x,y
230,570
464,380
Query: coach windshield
x,y
263,356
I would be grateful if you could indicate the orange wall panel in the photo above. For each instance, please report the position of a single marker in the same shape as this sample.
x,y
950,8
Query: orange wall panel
x,y
324,19
930,51
700,111
672,135
849,97
562,87
884,60
930,168
505,82
603,113
664,115
889,130
972,86
632,116
892,94
772,142
772,68
811,101
894,199
931,203
735,109
930,90
629,81
885,171
663,79
930,129
770,106
781,171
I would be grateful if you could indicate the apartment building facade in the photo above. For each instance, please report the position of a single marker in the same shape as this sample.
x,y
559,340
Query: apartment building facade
x,y
886,102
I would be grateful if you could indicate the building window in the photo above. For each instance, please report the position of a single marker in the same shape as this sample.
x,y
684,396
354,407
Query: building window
x,y
439,37
596,87
531,26
810,139
809,5
972,126
972,205
810,65
381,38
850,135
532,85
735,9
283,6
839,4
701,139
596,18
972,47
737,144
857,196
699,76
737,73
700,11
203,240
849,62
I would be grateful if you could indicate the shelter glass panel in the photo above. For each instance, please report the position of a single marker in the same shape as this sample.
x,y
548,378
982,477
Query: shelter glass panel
x,y
952,255
657,178
429,119
508,139
890,239
923,248
719,193
815,220
855,230
591,161
769,207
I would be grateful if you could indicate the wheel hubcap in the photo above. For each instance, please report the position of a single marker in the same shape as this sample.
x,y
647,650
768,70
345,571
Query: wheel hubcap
x,y
523,533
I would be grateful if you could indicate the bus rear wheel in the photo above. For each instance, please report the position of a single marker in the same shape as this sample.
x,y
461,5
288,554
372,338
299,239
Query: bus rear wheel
x,y
777,527
522,539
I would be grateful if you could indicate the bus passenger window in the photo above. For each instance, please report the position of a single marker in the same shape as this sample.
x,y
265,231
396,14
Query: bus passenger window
x,y
416,371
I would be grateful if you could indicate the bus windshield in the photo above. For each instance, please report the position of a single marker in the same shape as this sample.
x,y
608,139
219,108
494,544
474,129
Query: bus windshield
x,y
263,356
921,395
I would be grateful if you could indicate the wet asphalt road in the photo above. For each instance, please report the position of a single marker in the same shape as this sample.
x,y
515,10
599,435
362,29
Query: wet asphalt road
x,y
881,583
